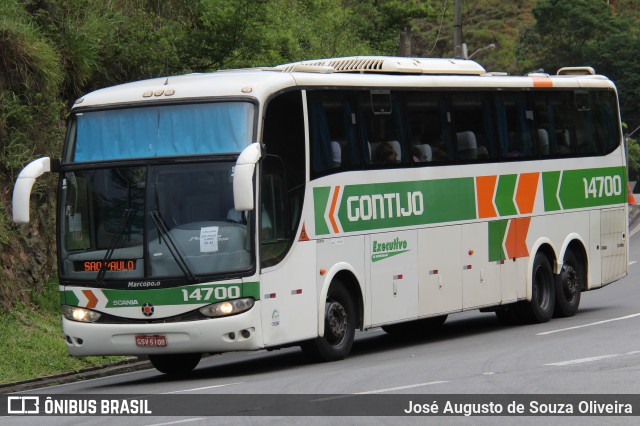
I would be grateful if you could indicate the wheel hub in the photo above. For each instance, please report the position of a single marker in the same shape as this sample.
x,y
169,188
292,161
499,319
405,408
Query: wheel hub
x,y
569,281
337,319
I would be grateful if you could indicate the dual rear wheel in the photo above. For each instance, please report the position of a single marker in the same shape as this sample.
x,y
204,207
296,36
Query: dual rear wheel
x,y
551,295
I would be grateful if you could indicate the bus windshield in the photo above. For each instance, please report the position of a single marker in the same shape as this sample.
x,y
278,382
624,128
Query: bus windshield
x,y
152,222
160,131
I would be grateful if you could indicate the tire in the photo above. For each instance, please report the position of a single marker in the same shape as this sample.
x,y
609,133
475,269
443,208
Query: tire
x,y
541,307
339,327
175,364
569,285
417,328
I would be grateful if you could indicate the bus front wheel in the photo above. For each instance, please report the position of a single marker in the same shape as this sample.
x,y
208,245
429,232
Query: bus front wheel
x,y
175,364
541,307
339,327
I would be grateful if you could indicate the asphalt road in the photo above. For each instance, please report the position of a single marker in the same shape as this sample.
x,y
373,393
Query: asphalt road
x,y
595,352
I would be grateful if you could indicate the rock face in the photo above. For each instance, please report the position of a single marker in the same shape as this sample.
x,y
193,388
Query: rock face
x,y
27,252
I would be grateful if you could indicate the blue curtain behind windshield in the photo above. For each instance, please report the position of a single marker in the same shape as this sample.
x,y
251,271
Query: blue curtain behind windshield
x,y
163,131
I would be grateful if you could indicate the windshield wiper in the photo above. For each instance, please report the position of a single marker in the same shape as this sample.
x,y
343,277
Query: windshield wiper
x,y
171,245
115,242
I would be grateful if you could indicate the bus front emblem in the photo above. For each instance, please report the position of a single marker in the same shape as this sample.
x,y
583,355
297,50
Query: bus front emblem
x,y
147,309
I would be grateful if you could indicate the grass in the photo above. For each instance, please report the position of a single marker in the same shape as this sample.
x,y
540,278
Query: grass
x,y
31,341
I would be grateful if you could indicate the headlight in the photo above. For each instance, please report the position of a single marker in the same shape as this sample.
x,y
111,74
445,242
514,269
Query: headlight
x,y
230,307
74,313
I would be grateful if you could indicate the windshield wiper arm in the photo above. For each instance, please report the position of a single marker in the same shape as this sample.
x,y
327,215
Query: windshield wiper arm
x,y
115,241
171,245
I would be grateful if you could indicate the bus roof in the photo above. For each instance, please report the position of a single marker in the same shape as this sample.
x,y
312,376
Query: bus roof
x,y
358,71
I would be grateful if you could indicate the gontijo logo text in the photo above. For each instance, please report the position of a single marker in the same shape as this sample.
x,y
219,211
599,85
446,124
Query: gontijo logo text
x,y
380,206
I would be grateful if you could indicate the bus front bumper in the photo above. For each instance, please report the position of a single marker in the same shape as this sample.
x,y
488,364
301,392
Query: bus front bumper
x,y
242,332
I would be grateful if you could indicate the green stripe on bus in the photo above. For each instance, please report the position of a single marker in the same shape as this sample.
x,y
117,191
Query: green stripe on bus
x,y
320,200
251,289
367,207
69,298
382,256
397,204
504,195
192,294
497,231
550,182
593,187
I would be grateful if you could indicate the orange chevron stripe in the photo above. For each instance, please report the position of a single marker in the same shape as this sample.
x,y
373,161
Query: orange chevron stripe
x,y
332,210
485,188
516,242
526,192
92,299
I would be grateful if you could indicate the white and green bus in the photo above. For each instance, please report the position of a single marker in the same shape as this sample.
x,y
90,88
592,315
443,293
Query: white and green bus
x,y
271,207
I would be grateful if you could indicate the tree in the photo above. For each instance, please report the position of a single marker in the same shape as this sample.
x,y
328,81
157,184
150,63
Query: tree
x,y
633,158
585,32
565,33
379,22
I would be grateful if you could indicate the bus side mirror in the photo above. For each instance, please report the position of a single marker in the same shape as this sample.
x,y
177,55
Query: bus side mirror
x,y
24,183
243,194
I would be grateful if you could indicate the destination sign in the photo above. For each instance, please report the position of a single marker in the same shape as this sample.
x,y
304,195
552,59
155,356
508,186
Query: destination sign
x,y
109,265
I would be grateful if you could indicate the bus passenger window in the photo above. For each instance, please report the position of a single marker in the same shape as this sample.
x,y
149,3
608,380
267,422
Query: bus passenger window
x,y
585,129
429,128
554,114
382,127
473,121
605,122
514,117
334,142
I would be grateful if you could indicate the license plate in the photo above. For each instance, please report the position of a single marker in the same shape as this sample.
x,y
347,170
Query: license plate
x,y
151,340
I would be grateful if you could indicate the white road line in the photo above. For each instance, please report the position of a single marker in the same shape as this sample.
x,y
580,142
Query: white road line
x,y
592,359
195,419
402,387
583,360
197,389
632,262
381,390
587,325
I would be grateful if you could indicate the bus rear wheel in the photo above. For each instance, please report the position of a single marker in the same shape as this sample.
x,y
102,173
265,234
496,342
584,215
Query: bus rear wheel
x,y
541,307
175,364
569,285
339,327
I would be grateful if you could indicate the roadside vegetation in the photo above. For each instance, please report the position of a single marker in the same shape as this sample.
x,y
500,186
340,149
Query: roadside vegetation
x,y
32,343
53,51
